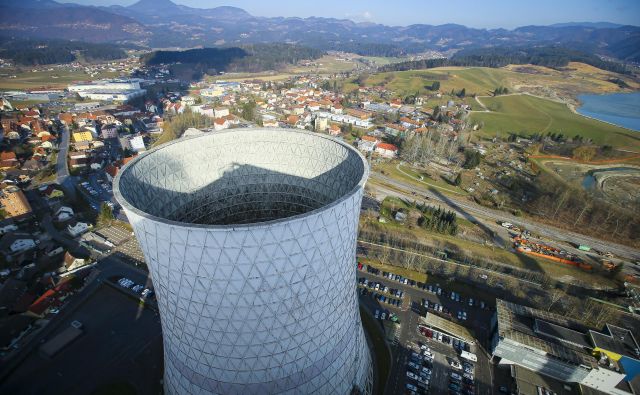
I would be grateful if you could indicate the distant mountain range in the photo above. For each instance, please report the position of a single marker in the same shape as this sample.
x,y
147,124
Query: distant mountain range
x,y
163,24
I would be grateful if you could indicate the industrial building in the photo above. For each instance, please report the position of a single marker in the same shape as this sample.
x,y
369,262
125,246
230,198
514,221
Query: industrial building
x,y
109,90
250,238
550,354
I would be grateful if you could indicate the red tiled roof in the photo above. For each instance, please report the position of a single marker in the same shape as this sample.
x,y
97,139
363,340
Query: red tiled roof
x,y
7,155
128,159
388,147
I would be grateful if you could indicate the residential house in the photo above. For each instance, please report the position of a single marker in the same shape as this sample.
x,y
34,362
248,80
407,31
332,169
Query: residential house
x,y
78,229
321,124
133,143
394,130
71,262
220,124
219,112
367,143
7,228
64,213
78,159
109,132
8,160
334,130
385,150
16,243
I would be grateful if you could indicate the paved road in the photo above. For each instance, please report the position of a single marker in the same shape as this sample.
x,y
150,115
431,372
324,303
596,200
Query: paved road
x,y
468,209
62,168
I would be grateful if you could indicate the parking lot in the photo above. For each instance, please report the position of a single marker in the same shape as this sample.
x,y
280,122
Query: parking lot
x,y
413,371
115,234
121,342
130,252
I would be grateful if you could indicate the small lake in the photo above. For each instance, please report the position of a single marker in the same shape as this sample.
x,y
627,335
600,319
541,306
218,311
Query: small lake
x,y
622,109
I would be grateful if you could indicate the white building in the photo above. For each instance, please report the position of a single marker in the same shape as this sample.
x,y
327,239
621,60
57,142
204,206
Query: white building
x,y
64,213
22,245
8,228
345,119
220,124
388,151
109,132
367,143
106,85
78,229
133,143
109,90
220,112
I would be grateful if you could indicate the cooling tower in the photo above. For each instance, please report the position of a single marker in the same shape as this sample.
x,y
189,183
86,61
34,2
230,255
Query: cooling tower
x,y
250,238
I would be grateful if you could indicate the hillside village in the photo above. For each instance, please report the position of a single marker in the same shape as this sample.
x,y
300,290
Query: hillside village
x,y
59,159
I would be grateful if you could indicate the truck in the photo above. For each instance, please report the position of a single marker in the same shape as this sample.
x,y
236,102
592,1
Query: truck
x,y
62,339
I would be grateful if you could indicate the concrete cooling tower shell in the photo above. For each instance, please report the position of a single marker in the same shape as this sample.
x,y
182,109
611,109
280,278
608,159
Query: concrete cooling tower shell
x,y
250,238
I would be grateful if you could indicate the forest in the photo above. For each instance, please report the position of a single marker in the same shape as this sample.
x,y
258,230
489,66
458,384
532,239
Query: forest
x,y
246,58
551,56
35,52
437,219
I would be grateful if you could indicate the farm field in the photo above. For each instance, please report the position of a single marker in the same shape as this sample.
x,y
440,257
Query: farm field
x,y
49,79
562,84
328,64
525,115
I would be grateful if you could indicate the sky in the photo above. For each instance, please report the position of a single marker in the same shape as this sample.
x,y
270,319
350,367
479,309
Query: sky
x,y
473,13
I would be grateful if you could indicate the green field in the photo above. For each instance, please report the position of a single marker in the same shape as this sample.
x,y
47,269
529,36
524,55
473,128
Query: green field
x,y
51,79
541,81
525,115
412,176
474,80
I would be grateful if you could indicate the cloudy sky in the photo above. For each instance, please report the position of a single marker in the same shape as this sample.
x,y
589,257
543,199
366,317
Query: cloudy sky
x,y
474,13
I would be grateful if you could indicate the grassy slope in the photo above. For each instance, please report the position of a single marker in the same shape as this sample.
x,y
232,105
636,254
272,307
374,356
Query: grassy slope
x,y
391,170
41,79
526,115
476,80
576,78
490,253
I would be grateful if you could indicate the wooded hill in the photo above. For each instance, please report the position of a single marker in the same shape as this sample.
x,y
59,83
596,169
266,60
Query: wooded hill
x,y
553,57
41,51
246,58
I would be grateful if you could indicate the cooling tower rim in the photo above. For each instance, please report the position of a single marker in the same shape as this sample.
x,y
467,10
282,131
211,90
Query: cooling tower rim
x,y
266,224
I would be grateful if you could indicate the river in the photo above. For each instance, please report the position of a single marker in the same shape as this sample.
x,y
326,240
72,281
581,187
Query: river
x,y
622,109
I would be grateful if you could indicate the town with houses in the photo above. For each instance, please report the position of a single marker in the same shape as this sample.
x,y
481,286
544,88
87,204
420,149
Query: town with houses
x,y
59,158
